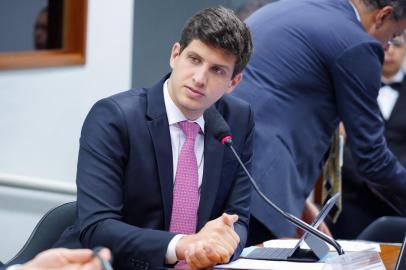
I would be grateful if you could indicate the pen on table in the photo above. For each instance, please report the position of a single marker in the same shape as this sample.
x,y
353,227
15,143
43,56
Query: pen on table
x,y
105,263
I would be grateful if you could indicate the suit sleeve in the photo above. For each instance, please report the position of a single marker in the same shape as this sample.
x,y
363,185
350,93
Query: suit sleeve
x,y
356,74
102,163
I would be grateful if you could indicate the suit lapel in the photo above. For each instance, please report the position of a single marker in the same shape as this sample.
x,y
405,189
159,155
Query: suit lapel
x,y
159,130
213,161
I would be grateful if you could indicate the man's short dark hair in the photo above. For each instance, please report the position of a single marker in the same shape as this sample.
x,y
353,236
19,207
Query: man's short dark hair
x,y
399,6
221,28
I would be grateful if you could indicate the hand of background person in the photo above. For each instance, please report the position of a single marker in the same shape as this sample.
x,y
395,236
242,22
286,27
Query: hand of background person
x,y
342,131
66,259
309,214
214,243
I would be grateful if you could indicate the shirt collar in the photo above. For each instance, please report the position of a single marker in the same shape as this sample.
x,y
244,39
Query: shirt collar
x,y
173,113
355,10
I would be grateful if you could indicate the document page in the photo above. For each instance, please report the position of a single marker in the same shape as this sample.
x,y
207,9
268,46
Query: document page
x,y
347,245
270,265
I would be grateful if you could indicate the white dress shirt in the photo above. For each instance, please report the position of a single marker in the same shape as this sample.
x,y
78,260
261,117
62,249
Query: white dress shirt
x,y
388,96
177,139
13,267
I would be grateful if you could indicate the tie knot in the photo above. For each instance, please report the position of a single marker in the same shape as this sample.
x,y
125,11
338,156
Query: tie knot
x,y
189,128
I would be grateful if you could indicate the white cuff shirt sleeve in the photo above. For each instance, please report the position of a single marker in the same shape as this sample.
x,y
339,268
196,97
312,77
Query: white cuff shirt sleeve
x,y
170,257
13,267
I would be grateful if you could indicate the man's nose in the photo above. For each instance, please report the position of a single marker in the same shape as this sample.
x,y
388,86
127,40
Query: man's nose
x,y
200,76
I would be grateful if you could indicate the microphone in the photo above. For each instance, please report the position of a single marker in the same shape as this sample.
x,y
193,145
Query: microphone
x,y
217,126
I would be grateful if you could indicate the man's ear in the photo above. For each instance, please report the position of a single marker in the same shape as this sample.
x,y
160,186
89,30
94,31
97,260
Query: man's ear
x,y
234,82
174,54
382,15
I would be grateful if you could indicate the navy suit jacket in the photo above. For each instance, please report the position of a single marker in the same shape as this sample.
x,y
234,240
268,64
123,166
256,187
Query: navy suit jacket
x,y
313,66
395,134
125,177
358,199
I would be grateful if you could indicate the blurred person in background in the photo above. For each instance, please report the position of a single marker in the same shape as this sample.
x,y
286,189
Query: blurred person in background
x,y
40,34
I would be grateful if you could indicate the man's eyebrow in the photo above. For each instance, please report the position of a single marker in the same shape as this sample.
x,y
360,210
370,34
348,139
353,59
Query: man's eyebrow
x,y
195,54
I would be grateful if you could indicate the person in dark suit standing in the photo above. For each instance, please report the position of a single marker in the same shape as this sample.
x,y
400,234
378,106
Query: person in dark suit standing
x,y
155,187
316,63
358,200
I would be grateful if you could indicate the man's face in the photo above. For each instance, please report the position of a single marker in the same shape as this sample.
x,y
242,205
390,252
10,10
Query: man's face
x,y
41,31
385,27
200,76
391,30
394,57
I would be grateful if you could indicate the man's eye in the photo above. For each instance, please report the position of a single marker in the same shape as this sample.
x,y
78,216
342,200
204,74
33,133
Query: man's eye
x,y
219,70
194,59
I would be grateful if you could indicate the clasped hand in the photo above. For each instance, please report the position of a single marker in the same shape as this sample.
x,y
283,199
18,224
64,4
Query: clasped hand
x,y
214,243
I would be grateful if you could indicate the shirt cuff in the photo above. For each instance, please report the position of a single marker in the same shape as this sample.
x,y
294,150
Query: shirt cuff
x,y
170,257
13,267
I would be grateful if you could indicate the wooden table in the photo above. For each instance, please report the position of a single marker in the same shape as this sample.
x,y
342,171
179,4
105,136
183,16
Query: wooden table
x,y
389,255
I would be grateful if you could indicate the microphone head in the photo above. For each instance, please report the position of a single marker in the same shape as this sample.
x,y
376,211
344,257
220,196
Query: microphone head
x,y
216,125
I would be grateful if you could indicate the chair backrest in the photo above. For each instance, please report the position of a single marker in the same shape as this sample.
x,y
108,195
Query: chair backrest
x,y
385,229
47,232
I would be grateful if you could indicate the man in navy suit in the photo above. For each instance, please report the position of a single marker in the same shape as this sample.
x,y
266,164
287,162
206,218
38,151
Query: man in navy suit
x,y
358,199
315,63
131,146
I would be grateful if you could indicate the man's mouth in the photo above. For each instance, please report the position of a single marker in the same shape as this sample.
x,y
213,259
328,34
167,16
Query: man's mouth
x,y
195,92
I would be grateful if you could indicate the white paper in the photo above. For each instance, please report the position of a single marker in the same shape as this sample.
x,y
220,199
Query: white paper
x,y
361,260
347,245
270,265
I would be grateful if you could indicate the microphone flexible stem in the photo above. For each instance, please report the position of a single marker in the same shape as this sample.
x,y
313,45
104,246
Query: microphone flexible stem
x,y
299,223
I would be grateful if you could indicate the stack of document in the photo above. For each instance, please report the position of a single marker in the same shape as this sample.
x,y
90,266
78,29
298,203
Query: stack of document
x,y
347,245
274,265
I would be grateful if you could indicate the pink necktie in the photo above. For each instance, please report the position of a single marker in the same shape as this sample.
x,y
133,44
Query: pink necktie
x,y
185,191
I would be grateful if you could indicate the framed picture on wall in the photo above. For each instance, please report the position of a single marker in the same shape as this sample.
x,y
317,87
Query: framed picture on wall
x,y
50,33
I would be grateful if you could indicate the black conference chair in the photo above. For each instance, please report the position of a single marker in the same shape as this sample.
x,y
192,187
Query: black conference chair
x,y
47,232
385,229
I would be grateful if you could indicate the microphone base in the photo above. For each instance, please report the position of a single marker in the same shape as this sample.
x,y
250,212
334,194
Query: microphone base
x,y
283,254
303,255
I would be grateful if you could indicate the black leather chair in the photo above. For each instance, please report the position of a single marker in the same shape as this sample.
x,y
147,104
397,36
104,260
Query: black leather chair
x,y
385,229
47,232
